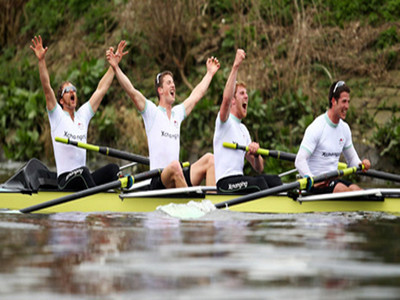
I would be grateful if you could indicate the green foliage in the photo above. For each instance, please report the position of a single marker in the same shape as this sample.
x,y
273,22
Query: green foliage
x,y
371,11
278,113
86,77
387,139
387,38
21,114
105,126
49,18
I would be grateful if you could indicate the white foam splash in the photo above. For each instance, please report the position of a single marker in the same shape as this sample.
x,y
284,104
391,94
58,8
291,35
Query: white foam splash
x,y
190,210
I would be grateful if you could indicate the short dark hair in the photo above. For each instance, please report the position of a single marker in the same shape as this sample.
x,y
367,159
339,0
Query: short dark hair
x,y
336,89
159,80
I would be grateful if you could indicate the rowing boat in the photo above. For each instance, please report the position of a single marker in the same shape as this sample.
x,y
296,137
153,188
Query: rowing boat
x,y
34,184
382,200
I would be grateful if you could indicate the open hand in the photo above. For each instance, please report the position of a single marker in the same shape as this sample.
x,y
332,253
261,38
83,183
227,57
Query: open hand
x,y
212,65
37,47
120,50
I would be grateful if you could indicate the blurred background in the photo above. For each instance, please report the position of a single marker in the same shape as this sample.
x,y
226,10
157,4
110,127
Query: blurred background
x,y
295,50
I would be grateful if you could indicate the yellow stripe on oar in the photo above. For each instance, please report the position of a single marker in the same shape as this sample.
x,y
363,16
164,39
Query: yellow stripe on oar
x,y
106,151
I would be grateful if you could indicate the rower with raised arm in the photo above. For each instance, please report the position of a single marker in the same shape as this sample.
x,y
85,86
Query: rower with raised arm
x,y
66,122
229,128
325,139
162,124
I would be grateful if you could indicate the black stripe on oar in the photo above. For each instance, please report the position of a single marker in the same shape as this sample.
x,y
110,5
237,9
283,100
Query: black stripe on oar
x,y
273,153
122,182
300,184
381,175
107,151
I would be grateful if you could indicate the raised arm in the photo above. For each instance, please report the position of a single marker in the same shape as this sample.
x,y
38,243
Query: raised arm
x,y
106,80
229,89
137,97
200,90
40,52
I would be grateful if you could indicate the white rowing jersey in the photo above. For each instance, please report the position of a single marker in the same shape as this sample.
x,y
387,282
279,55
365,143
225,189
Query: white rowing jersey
x,y
229,162
163,134
68,157
322,145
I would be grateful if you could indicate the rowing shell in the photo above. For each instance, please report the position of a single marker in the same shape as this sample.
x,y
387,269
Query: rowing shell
x,y
378,200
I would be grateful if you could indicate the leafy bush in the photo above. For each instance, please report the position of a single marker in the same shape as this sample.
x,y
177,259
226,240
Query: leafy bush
x,y
21,115
387,139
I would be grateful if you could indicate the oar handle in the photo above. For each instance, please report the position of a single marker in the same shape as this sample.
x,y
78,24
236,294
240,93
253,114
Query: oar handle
x,y
106,151
273,153
376,174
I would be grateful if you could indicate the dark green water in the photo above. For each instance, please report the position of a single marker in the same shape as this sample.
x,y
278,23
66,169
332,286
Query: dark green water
x,y
225,255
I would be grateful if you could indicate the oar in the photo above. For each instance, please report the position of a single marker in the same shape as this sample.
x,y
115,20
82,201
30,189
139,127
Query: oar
x,y
300,184
381,175
273,153
125,182
107,151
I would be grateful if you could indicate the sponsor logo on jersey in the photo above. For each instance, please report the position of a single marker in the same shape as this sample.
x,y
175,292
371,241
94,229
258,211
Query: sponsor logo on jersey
x,y
329,154
170,135
75,137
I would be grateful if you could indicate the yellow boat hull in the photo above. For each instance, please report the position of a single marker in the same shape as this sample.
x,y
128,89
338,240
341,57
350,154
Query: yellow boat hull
x,y
111,202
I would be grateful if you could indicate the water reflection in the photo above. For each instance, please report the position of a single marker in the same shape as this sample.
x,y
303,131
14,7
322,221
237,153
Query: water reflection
x,y
224,255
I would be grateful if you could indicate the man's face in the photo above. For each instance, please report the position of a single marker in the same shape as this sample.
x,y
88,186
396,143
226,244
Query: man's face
x,y
167,89
69,98
341,106
241,102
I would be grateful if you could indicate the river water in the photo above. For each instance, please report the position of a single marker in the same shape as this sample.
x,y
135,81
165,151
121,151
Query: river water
x,y
223,255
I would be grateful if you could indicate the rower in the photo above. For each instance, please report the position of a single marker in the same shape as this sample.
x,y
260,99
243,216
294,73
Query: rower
x,y
163,124
72,173
229,128
325,139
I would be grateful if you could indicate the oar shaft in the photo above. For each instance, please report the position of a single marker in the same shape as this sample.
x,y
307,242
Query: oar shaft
x,y
106,151
381,175
74,196
301,183
259,194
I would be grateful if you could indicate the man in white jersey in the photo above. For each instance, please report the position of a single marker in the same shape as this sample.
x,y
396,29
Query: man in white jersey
x,y
325,139
163,123
229,128
72,173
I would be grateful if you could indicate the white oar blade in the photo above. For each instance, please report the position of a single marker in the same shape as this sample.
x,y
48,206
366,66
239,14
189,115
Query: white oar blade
x,y
190,210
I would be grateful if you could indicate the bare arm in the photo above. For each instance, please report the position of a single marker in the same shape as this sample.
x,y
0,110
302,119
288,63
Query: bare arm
x,y
137,97
229,89
106,80
40,52
200,90
256,161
